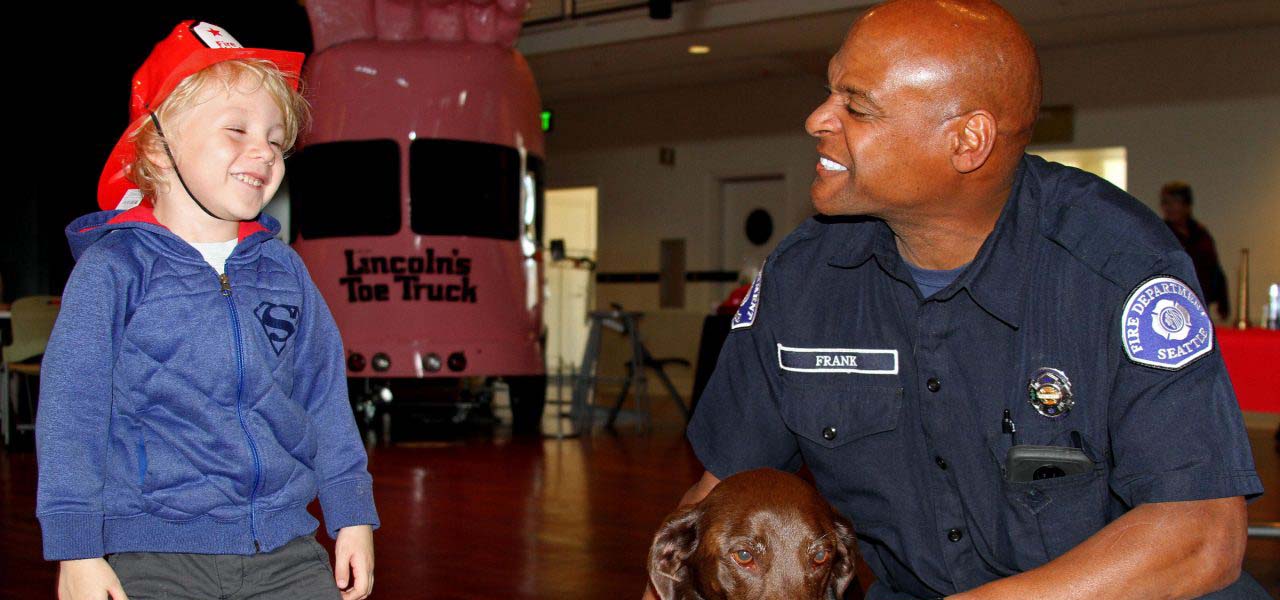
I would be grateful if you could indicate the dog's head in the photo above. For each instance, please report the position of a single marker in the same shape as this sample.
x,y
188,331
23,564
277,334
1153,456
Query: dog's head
x,y
759,534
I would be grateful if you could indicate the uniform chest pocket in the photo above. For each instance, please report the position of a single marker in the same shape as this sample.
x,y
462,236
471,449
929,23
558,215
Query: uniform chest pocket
x,y
832,415
1059,512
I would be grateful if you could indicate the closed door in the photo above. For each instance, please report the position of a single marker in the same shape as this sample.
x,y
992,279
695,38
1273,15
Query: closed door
x,y
570,216
754,214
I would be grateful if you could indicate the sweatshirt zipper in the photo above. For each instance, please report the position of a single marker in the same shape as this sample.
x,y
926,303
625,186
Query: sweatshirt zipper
x,y
253,448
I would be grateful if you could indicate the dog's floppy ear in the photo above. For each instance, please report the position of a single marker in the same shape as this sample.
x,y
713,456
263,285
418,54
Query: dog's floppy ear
x,y
843,570
672,546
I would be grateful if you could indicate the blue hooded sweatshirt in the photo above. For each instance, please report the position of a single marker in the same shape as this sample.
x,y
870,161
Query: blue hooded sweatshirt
x,y
184,412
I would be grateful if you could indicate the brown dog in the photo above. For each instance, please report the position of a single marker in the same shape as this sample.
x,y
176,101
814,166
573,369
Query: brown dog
x,y
761,534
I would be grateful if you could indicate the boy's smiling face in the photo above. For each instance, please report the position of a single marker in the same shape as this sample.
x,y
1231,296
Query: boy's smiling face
x,y
228,149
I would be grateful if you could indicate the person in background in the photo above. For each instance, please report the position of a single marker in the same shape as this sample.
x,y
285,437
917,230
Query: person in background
x,y
1175,205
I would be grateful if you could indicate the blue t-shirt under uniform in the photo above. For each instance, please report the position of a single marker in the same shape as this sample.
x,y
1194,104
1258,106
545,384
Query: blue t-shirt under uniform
x,y
932,281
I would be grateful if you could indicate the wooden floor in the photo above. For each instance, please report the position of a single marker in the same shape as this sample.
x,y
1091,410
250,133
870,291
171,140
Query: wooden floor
x,y
499,518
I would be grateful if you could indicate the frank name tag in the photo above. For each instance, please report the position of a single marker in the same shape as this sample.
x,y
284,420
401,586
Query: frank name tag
x,y
838,360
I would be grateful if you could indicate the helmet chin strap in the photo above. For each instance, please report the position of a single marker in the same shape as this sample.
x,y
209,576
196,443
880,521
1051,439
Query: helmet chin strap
x,y
169,153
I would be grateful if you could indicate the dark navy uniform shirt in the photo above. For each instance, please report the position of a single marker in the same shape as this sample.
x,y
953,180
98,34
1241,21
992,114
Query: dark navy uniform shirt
x,y
895,402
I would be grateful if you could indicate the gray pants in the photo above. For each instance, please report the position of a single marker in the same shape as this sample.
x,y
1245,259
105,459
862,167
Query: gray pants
x,y
298,570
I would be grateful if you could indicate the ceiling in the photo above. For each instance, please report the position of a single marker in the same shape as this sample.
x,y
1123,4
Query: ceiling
x,y
627,52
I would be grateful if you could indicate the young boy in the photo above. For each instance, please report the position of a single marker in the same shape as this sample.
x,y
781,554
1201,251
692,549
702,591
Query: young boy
x,y
194,395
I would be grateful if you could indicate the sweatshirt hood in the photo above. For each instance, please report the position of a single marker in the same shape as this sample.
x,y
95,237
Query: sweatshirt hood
x,y
87,230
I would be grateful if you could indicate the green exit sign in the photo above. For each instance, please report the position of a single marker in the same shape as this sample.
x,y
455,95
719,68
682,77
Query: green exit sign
x,y
546,120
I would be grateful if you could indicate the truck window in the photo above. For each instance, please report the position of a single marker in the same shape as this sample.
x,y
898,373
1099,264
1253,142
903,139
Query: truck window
x,y
464,189
348,188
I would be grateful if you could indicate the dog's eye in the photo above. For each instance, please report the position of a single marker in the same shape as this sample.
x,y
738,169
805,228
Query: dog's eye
x,y
821,556
743,557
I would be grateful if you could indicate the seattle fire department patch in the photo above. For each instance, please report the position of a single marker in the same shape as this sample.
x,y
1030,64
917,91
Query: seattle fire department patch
x,y
746,315
1165,324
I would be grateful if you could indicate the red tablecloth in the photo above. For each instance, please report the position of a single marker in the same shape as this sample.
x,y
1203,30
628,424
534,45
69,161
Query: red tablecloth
x,y
1253,361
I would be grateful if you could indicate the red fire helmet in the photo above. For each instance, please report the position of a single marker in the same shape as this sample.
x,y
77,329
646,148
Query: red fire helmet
x,y
190,47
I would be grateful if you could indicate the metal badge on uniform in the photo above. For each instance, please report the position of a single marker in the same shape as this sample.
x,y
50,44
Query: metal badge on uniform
x,y
1050,392
746,315
1165,324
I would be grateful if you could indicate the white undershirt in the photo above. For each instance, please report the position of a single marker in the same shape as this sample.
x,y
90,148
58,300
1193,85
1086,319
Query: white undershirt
x,y
216,253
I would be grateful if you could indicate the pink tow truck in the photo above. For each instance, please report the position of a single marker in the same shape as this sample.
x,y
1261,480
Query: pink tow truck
x,y
416,200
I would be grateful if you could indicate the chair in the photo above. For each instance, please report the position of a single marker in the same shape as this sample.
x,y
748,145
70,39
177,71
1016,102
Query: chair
x,y
31,321
628,324
636,373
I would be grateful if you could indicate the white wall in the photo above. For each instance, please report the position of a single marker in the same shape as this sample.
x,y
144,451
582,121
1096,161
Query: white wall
x,y
642,202
1229,151
1203,108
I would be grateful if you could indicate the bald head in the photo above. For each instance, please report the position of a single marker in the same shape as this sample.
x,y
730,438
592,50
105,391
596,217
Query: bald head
x,y
932,103
966,54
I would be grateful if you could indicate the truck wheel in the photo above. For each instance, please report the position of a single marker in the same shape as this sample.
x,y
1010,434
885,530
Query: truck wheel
x,y
528,395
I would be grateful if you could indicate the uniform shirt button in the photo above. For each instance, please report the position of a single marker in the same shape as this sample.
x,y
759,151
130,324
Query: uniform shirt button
x,y
829,433
933,384
955,535
942,464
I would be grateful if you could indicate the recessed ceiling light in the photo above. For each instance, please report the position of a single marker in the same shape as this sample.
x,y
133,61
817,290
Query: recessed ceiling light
x,y
697,49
